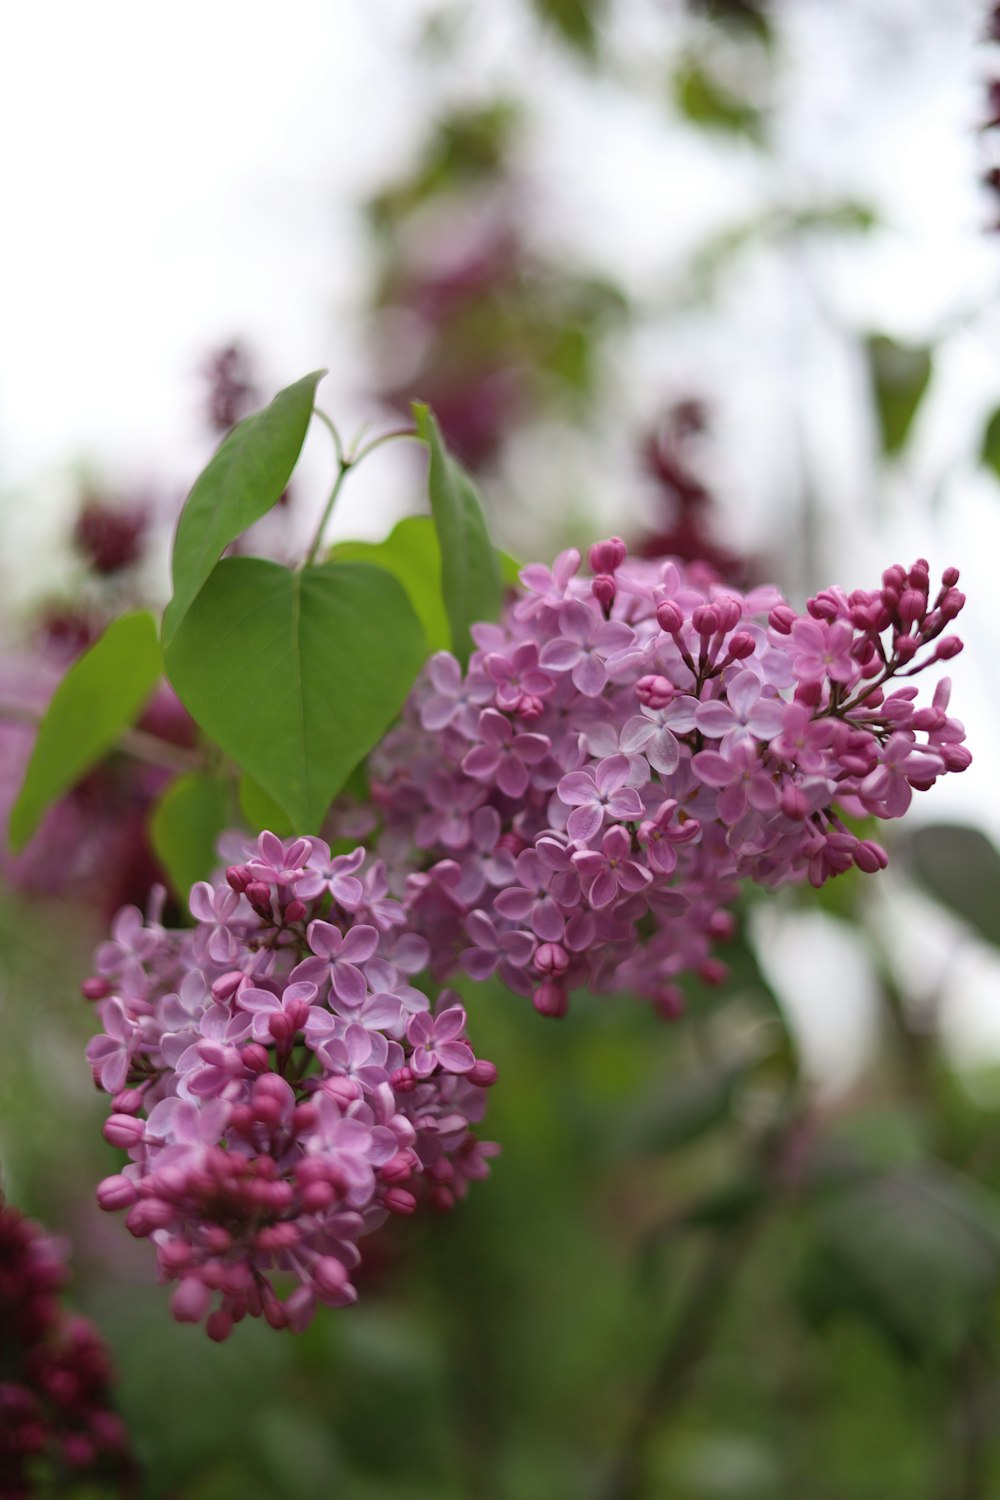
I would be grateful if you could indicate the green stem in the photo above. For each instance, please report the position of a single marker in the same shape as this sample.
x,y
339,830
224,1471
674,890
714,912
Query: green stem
x,y
344,466
671,1378
346,462
137,743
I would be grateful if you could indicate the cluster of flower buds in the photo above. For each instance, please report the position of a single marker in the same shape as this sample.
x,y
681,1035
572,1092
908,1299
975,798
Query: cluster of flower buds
x,y
577,808
279,1083
56,1422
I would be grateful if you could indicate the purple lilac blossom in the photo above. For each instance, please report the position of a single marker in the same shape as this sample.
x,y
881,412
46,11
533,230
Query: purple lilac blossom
x,y
56,1377
637,743
279,1086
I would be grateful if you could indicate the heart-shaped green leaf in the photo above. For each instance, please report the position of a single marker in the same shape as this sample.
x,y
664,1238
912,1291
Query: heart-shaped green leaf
x,y
102,693
411,552
470,573
297,675
247,475
185,827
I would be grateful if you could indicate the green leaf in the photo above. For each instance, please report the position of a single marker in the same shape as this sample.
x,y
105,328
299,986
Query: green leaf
x,y
900,375
261,811
470,574
185,828
103,692
961,868
990,452
510,569
680,1110
916,1252
575,20
247,475
297,675
412,554
711,106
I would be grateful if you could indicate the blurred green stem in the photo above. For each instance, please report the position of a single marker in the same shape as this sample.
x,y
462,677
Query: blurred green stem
x,y
690,1338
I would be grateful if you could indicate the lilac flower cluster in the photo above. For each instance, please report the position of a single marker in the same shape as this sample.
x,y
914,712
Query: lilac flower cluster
x,y
578,807
56,1419
279,1083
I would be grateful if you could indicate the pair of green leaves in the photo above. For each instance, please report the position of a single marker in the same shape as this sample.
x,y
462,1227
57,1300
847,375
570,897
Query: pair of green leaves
x,y
294,674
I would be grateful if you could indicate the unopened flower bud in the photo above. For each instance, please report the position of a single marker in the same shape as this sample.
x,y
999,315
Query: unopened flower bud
x,y
482,1074
740,645
782,618
551,958
550,999
654,691
399,1201
669,617
607,557
95,989
603,590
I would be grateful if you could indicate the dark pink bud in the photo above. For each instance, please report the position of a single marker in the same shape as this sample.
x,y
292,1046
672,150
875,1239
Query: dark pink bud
x,y
951,604
729,613
722,926
809,693
225,987
782,618
317,1196
955,757
124,1131
793,802
304,1117
128,1102
919,576
442,1199
529,707
190,1301
668,1002
551,958
905,647
870,857
329,1275
655,691
713,971
255,1057
603,590
950,577
550,999
950,646
219,1325
482,1074
259,896
295,911
398,1168
911,606
238,878
606,557
402,1081
669,617
95,989
116,1192
894,578
823,607
398,1201
705,619
741,645
281,1026
242,1119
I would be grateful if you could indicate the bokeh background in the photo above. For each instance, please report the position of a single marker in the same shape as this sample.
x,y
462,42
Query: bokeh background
x,y
717,275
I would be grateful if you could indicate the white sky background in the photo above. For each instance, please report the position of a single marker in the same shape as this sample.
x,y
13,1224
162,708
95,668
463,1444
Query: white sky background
x,y
173,177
